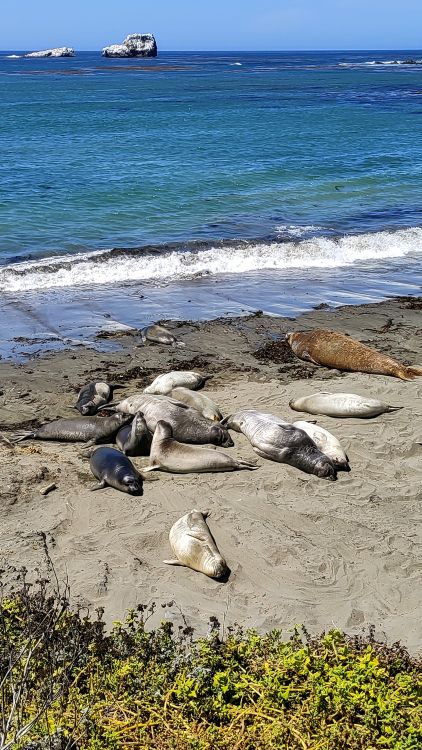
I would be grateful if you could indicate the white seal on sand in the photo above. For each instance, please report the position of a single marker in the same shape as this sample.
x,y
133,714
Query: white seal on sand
x,y
194,545
341,405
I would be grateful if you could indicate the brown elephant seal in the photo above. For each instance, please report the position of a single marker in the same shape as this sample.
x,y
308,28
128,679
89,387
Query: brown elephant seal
x,y
195,547
341,352
341,405
92,396
163,384
135,439
88,430
167,454
276,440
199,401
159,335
113,469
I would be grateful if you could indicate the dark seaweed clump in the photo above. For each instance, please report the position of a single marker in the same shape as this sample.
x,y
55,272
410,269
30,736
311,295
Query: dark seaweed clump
x,y
275,351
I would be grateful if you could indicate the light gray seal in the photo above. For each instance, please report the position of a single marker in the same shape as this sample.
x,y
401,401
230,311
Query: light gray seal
x,y
164,384
199,401
92,396
276,440
159,335
90,430
195,547
341,405
113,469
326,442
167,454
135,439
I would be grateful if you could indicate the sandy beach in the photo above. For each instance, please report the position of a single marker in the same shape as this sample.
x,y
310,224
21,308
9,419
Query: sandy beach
x,y
300,549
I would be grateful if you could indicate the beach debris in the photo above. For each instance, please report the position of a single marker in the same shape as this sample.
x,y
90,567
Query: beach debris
x,y
194,546
48,488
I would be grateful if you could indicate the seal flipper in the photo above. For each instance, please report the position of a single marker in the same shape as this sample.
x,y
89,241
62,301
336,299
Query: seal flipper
x,y
174,562
100,486
153,467
17,437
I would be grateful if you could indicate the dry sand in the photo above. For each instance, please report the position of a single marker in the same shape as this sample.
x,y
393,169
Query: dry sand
x,y
301,550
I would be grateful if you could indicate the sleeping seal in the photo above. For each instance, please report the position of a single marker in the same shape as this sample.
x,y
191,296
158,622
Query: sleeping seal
x,y
163,384
88,430
198,401
159,335
276,440
336,350
92,396
113,469
194,546
167,454
135,439
341,405
326,442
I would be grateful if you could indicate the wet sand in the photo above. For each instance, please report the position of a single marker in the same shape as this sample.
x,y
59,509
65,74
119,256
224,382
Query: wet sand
x,y
300,549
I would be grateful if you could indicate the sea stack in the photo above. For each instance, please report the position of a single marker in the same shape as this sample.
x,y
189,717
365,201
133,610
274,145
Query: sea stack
x,y
56,52
135,45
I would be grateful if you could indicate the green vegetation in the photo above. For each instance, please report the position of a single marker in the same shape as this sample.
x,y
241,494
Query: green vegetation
x,y
67,684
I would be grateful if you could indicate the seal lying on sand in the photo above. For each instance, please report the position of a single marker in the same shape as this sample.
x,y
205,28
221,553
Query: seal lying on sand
x,y
159,335
326,442
88,430
92,396
194,546
135,439
188,425
198,401
163,384
167,454
336,350
113,469
276,440
341,405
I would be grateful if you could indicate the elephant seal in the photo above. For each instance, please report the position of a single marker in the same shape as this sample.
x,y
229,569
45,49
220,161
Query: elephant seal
x,y
167,454
188,425
326,442
92,396
135,439
163,384
336,350
113,469
159,335
341,405
90,430
194,546
276,440
198,401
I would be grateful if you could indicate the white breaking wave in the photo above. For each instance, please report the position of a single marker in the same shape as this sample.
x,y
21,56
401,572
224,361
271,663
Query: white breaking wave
x,y
380,62
103,267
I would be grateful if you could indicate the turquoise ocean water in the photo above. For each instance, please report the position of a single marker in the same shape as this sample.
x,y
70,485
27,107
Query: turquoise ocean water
x,y
198,184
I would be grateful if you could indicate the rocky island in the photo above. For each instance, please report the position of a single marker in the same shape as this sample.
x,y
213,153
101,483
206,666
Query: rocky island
x,y
56,52
135,45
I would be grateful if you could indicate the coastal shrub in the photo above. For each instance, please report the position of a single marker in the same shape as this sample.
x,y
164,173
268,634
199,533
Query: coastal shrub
x,y
67,684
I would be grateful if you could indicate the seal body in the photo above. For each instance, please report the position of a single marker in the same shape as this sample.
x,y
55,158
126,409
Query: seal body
x,y
326,442
194,546
81,429
159,335
92,396
188,425
164,384
276,440
336,350
113,469
135,439
341,405
167,454
198,401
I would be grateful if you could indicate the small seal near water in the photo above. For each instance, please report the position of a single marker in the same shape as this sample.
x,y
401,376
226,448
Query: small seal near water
x,y
159,335
195,547
326,442
163,384
113,469
198,401
92,396
135,439
167,454
341,405
336,350
90,430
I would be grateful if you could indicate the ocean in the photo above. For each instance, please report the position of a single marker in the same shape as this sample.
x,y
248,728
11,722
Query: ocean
x,y
196,185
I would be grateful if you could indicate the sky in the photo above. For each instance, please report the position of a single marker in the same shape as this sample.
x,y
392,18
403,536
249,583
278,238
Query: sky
x,y
213,25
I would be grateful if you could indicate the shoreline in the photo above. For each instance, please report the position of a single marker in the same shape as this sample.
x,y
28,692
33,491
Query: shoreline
x,y
300,549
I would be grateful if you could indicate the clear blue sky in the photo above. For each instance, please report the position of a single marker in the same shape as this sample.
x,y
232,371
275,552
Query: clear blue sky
x,y
214,24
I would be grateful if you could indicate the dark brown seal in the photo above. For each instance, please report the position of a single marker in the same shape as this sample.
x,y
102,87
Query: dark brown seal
x,y
341,352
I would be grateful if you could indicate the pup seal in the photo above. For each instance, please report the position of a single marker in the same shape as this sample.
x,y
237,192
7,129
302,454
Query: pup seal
x,y
341,405
90,430
92,396
163,384
135,439
336,350
113,469
167,454
326,442
159,335
198,401
195,547
274,439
